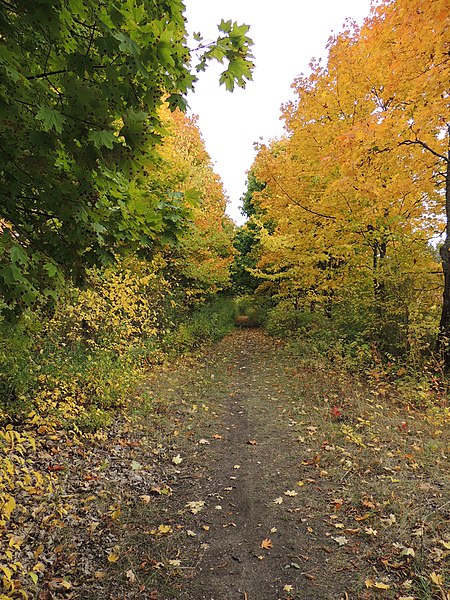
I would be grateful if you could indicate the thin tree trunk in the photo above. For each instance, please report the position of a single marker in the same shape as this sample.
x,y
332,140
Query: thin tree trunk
x,y
444,325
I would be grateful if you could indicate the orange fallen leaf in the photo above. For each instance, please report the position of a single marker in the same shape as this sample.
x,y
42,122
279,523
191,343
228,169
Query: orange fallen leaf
x,y
266,543
252,442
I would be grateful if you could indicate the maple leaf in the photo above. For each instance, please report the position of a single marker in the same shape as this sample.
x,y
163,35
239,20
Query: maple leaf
x,y
336,412
437,579
177,460
290,493
266,543
113,557
288,588
278,500
340,539
195,506
164,529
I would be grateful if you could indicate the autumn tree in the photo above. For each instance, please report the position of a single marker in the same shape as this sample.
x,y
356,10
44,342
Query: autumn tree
x,y
355,187
204,252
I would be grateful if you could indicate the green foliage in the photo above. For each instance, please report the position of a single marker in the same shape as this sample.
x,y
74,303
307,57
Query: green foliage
x,y
246,242
203,324
81,87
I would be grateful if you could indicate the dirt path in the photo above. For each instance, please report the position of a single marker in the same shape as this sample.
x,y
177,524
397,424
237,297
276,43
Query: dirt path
x,y
249,474
251,480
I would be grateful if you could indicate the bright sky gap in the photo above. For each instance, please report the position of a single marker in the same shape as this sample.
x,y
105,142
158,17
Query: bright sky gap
x,y
287,35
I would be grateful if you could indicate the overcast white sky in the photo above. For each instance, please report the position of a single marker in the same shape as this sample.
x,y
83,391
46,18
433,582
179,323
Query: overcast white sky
x,y
287,34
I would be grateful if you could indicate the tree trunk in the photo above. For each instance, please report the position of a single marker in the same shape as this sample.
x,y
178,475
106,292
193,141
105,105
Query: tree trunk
x,y
444,325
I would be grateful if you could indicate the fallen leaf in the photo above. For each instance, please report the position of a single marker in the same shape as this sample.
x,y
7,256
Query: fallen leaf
x,y
278,500
145,499
216,436
288,588
191,533
252,442
177,460
340,539
164,529
381,586
273,530
237,467
195,507
266,544
437,579
113,557
203,442
290,493
174,563
130,576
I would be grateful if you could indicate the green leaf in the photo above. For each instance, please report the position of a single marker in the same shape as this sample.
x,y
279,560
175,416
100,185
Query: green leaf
x,y
177,101
51,119
18,255
51,269
127,44
102,138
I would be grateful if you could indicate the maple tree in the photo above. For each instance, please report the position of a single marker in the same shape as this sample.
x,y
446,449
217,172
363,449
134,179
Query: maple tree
x,y
357,186
204,253
82,83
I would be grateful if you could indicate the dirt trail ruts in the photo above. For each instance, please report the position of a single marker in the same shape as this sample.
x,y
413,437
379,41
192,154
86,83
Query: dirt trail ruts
x,y
243,477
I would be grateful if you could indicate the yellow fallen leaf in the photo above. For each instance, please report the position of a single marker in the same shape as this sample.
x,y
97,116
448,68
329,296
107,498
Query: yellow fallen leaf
x,y
381,586
437,579
290,493
145,499
8,572
266,544
273,530
113,557
278,500
288,588
175,563
65,584
177,460
34,577
164,528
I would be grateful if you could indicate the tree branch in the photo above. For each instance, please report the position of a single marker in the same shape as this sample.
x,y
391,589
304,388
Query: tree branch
x,y
297,203
424,145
